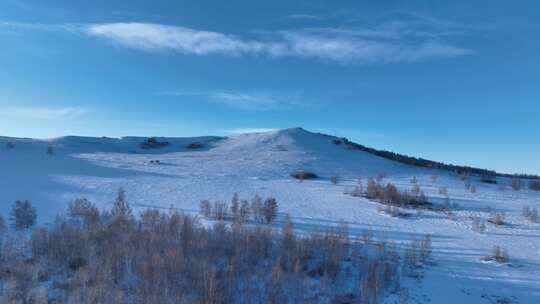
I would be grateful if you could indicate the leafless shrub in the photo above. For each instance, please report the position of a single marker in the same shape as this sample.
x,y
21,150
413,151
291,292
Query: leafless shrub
x,y
534,185
434,178
417,255
170,258
83,211
414,180
303,175
472,189
497,219
334,179
380,176
515,183
392,211
10,145
443,191
220,211
23,215
499,255
50,150
358,190
478,224
531,214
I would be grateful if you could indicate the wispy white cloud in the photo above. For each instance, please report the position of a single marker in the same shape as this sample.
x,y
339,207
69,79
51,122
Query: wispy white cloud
x,y
249,130
380,45
256,101
304,17
394,41
42,113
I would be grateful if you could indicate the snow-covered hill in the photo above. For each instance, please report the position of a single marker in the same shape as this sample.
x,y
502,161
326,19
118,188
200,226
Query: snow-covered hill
x,y
261,163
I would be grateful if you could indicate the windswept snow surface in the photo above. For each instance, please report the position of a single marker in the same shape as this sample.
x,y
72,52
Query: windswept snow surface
x,y
261,163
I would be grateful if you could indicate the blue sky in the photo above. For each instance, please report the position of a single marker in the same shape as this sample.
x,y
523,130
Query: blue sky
x,y
454,81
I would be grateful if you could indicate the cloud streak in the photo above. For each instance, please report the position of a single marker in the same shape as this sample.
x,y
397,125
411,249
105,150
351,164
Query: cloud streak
x,y
254,101
42,113
346,46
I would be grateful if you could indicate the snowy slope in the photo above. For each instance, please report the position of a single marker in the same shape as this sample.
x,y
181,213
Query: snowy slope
x,y
261,163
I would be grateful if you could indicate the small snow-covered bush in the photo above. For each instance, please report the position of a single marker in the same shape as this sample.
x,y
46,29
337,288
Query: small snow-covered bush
x,y
23,215
303,175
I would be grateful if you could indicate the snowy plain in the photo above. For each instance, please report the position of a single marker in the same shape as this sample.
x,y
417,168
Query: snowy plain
x,y
261,163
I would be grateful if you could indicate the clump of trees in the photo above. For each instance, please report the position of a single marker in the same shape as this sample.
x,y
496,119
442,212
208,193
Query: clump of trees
x,y
240,210
389,194
115,256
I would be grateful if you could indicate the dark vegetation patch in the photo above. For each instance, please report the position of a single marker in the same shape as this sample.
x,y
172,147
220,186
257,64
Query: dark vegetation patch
x,y
303,175
154,143
195,145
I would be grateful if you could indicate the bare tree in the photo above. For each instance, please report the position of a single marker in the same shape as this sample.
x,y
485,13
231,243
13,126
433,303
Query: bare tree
x,y
121,210
205,208
23,215
516,184
270,210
